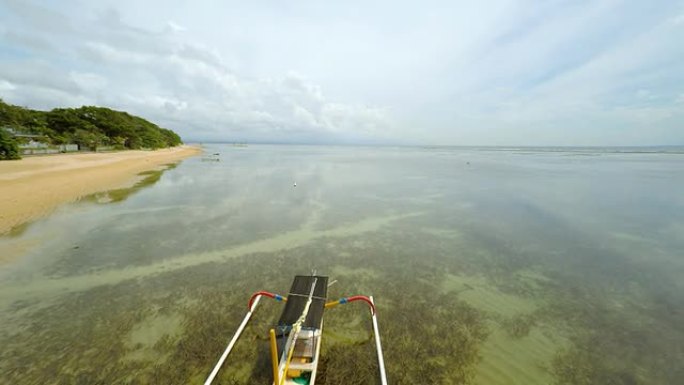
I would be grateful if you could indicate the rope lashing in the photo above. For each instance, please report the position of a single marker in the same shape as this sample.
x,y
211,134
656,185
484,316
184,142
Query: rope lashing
x,y
294,334
344,300
276,297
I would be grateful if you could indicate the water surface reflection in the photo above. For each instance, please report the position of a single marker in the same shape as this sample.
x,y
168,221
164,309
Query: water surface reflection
x,y
489,267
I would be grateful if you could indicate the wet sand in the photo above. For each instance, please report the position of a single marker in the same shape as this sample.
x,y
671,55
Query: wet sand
x,y
33,187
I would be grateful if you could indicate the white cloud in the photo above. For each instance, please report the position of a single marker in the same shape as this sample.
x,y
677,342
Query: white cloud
x,y
501,72
6,86
362,119
187,87
105,53
175,27
303,117
679,19
88,82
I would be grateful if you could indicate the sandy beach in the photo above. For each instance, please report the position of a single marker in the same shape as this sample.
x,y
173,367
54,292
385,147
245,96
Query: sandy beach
x,y
33,187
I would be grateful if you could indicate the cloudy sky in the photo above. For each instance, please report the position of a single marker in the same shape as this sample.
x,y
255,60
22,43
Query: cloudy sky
x,y
499,72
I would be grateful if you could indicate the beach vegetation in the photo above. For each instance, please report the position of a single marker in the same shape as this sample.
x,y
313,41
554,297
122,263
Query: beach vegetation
x,y
88,126
8,146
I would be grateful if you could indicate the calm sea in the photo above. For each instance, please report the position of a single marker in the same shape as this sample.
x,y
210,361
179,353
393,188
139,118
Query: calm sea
x,y
489,266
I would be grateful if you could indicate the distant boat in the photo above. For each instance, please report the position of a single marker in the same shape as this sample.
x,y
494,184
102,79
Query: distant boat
x,y
212,158
296,339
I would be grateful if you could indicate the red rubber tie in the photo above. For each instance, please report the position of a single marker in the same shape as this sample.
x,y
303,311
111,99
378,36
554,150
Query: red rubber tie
x,y
362,298
255,295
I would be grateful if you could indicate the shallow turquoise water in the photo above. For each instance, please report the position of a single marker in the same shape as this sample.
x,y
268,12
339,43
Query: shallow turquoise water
x,y
579,245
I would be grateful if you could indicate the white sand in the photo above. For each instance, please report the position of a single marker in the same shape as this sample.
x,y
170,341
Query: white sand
x,y
33,187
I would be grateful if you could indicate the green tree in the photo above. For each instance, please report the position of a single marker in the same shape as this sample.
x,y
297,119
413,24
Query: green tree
x,y
85,138
8,146
105,126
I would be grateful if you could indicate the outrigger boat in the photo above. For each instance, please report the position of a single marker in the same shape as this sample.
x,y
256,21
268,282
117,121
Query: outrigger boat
x,y
296,339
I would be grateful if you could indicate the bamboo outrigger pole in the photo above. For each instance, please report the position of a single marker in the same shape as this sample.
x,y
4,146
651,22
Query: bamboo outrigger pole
x,y
232,342
376,330
378,346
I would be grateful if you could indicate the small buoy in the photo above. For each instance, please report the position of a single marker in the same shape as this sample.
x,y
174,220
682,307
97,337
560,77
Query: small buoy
x,y
295,184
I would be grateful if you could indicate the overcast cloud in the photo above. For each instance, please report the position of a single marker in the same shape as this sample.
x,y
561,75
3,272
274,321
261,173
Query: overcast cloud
x,y
500,72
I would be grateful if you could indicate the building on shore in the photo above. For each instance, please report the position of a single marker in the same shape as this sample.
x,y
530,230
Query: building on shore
x,y
32,144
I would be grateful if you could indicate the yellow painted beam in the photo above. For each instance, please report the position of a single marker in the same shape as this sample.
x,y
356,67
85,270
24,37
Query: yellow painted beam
x,y
274,356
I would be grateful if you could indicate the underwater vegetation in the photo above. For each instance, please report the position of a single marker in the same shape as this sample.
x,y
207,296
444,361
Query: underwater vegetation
x,y
18,230
171,328
148,178
210,300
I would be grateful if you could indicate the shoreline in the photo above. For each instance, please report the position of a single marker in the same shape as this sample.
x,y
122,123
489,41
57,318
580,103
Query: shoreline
x,y
35,186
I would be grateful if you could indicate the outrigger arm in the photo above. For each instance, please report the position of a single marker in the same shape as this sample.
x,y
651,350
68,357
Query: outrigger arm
x,y
378,346
376,331
254,301
232,342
